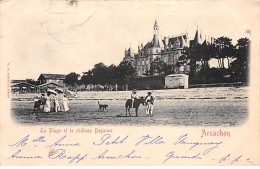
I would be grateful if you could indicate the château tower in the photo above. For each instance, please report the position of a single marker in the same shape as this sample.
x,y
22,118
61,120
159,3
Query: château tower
x,y
155,28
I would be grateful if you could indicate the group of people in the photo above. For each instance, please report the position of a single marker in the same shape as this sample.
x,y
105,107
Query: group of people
x,y
59,102
52,102
149,100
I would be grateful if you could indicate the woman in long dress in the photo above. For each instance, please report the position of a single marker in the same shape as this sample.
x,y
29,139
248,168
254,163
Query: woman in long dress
x,y
56,104
47,106
52,103
60,101
65,103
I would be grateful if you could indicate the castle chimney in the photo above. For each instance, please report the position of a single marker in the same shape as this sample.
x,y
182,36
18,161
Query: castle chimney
x,y
166,42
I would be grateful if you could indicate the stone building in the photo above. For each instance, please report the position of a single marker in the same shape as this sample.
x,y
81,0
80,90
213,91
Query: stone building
x,y
164,50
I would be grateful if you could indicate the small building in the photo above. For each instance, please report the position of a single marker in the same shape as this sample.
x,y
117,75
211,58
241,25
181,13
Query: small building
x,y
18,81
23,87
177,81
44,87
52,78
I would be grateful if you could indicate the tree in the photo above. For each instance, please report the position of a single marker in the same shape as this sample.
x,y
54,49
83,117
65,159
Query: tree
x,y
152,69
239,67
71,79
158,67
99,74
124,72
111,74
87,77
197,58
167,69
194,54
211,75
225,49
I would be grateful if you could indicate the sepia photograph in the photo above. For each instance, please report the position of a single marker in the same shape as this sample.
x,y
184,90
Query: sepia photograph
x,y
129,83
160,69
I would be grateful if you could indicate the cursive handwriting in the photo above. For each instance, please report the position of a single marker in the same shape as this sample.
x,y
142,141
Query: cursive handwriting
x,y
40,139
228,158
17,155
236,159
58,143
150,140
105,140
172,155
61,154
182,148
224,158
105,155
182,140
22,142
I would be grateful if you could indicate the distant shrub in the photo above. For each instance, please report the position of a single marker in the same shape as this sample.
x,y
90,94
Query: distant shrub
x,y
154,82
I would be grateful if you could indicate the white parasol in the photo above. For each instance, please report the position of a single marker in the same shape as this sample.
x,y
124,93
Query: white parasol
x,y
50,91
58,90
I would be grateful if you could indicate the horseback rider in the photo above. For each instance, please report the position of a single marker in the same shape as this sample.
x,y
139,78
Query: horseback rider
x,y
133,97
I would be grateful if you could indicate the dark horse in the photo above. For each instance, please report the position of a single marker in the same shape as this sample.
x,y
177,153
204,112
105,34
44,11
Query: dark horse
x,y
136,105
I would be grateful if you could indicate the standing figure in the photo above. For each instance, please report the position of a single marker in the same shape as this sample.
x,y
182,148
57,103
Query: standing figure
x,y
43,99
133,97
60,100
149,104
47,106
37,103
65,103
52,102
56,104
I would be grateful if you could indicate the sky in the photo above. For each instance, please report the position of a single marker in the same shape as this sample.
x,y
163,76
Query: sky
x,y
55,37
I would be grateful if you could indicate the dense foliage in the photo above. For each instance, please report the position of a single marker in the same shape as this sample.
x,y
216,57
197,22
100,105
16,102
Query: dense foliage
x,y
197,57
237,57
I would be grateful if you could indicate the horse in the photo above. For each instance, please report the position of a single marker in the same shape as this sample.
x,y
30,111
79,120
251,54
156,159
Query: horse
x,y
136,105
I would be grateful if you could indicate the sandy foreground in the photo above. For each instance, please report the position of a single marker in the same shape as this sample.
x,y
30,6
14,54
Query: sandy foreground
x,y
218,106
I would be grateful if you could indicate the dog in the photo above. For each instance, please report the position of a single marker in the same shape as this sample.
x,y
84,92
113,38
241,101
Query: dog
x,y
102,107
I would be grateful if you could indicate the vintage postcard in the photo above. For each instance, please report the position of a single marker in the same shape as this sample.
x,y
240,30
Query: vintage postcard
x,y
129,83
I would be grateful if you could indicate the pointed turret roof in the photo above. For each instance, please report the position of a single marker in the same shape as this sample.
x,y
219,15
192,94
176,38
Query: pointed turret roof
x,y
204,43
156,41
196,38
130,52
183,42
155,23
